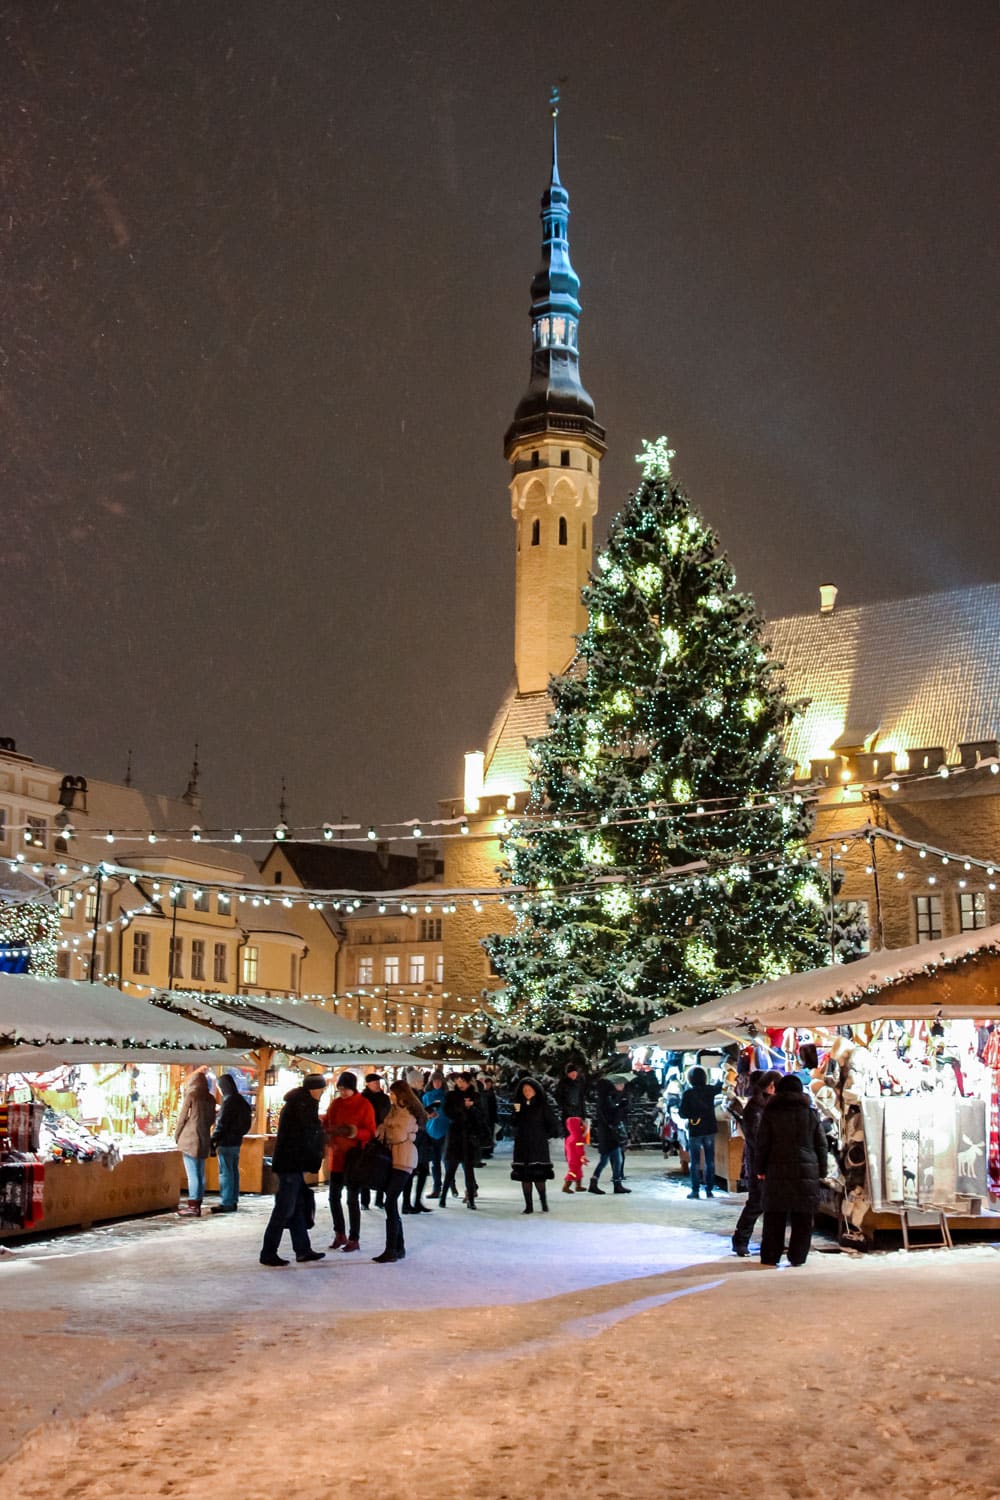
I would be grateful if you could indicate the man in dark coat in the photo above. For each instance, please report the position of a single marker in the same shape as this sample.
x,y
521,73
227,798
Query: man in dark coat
x,y
697,1108
466,1128
381,1105
491,1109
762,1086
791,1160
571,1094
298,1149
231,1125
611,1126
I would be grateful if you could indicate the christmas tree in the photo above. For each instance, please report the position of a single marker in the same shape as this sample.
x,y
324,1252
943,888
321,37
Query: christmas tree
x,y
661,857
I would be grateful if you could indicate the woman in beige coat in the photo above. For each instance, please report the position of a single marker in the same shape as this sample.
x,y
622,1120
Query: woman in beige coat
x,y
194,1136
399,1130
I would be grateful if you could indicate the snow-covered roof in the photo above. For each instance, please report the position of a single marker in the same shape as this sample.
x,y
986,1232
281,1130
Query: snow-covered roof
x,y
521,717
839,989
41,1059
299,1027
904,673
43,1012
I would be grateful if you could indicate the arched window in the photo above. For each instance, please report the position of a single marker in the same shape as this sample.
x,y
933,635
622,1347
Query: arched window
x,y
536,532
563,534
583,536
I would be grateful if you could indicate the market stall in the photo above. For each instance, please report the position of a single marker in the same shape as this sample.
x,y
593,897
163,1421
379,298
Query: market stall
x,y
901,1054
99,1069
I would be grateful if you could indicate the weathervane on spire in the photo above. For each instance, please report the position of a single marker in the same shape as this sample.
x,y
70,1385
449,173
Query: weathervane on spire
x,y
554,101
655,459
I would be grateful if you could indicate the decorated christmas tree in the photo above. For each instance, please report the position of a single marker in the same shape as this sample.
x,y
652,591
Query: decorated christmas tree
x,y
661,857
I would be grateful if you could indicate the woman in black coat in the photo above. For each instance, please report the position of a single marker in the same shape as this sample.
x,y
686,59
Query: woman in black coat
x,y
790,1160
535,1124
611,1129
466,1126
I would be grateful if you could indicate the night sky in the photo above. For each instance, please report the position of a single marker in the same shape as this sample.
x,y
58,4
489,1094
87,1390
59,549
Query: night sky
x,y
264,281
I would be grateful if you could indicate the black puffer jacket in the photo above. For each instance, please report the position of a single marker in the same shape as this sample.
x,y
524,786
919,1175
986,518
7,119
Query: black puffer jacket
x,y
234,1118
610,1116
790,1154
535,1124
299,1147
571,1096
697,1106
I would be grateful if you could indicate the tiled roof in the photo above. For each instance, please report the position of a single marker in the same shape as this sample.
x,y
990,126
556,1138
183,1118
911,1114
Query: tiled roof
x,y
332,867
900,674
906,673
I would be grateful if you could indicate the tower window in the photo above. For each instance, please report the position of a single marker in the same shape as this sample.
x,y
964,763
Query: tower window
x,y
583,536
564,458
590,464
563,534
534,458
536,532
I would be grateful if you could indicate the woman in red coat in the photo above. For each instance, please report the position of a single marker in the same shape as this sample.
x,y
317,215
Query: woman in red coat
x,y
349,1121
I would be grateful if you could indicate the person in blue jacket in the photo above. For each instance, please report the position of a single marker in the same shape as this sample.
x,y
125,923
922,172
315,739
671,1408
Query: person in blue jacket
x,y
436,1127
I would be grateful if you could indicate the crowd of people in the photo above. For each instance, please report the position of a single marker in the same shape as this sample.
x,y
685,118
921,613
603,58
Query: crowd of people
x,y
386,1145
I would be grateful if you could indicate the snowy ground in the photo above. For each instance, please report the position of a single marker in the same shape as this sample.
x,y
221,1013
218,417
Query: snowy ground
x,y
611,1348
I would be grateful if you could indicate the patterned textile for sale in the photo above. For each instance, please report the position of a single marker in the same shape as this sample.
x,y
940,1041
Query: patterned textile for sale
x,y
22,1194
991,1057
925,1151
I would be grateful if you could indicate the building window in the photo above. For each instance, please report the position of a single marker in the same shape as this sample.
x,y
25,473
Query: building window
x,y
417,1021
391,1018
277,877
439,968
928,913
417,968
201,901
583,537
36,832
219,963
390,971
293,972
364,1014
179,898
564,459
251,965
140,952
563,531
66,905
197,958
366,971
177,957
534,458
536,532
971,910
90,906
590,464
440,1019
430,930
3,825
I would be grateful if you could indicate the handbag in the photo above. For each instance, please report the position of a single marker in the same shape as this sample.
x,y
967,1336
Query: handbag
x,y
368,1166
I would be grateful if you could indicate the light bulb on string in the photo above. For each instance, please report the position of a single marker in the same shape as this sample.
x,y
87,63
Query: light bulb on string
x,y
372,833
327,831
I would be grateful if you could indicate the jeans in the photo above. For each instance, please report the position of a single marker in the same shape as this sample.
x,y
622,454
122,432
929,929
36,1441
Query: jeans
x,y
194,1166
699,1144
616,1156
435,1151
751,1212
772,1241
393,1223
229,1175
337,1184
290,1212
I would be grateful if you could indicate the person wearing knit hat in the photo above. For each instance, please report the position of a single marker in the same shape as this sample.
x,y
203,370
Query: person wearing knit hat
x,y
349,1121
297,1150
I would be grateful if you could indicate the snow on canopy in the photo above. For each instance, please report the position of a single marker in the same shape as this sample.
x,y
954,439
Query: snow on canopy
x,y
838,991
294,1026
42,1012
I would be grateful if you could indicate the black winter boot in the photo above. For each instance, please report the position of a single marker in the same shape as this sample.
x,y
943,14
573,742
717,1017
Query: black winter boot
x,y
593,1188
542,1196
528,1206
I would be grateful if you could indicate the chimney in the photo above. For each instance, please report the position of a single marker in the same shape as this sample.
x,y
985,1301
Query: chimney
x,y
426,862
827,598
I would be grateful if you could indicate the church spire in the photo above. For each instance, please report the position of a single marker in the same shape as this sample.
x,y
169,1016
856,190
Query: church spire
x,y
555,398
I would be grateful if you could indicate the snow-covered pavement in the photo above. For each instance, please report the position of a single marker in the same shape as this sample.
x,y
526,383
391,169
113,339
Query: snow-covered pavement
x,y
613,1346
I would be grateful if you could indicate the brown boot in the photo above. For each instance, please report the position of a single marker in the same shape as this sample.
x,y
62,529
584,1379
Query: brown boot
x,y
568,1185
580,1187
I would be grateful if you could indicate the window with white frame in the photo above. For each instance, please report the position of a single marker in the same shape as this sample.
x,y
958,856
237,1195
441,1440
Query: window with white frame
x,y
391,1018
219,964
439,968
3,825
430,929
927,910
197,958
90,905
390,970
36,832
66,904
201,901
417,1019
417,968
251,965
140,952
971,910
366,970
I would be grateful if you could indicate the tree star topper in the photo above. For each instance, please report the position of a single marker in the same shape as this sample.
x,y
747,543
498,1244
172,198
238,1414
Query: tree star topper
x,y
655,459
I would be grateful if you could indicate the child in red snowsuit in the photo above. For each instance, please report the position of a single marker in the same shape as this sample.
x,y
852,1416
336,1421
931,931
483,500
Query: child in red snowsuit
x,y
576,1154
